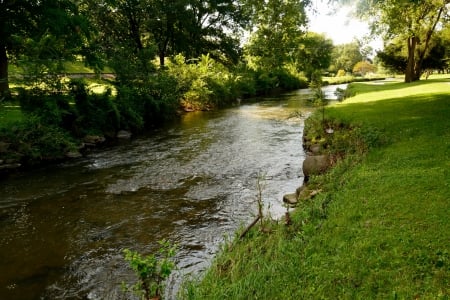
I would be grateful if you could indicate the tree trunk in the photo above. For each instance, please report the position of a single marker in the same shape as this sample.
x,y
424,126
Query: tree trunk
x,y
162,50
419,62
409,73
161,60
4,83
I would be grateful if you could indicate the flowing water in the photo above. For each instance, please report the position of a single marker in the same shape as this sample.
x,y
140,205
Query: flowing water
x,y
63,228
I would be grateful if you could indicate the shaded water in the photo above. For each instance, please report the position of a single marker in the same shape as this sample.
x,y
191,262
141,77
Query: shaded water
x,y
63,228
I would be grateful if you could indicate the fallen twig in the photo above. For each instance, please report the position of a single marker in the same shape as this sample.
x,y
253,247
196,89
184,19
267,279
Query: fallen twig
x,y
242,235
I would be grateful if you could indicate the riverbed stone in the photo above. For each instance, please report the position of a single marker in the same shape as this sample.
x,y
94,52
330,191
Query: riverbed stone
x,y
315,164
290,199
123,135
315,148
92,140
302,192
10,166
73,154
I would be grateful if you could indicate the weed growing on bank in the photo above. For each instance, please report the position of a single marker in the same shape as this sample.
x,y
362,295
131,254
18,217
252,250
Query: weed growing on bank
x,y
151,271
379,227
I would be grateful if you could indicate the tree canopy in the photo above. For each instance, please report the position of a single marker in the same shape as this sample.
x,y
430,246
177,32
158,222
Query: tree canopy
x,y
278,25
413,21
46,29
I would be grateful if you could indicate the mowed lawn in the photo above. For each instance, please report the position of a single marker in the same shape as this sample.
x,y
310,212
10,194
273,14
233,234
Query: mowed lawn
x,y
379,229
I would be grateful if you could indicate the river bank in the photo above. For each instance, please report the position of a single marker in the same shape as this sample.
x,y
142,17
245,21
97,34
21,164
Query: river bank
x,y
377,228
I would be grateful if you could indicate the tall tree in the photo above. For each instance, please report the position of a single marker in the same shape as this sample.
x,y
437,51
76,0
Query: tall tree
x,y
121,38
345,56
26,27
278,26
414,21
313,54
214,27
190,27
394,58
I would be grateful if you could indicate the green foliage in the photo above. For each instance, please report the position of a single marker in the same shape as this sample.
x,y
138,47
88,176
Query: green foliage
x,y
40,32
318,96
168,28
363,67
313,54
53,109
278,26
148,104
97,113
206,83
10,114
131,105
267,81
412,22
34,140
345,56
151,271
393,58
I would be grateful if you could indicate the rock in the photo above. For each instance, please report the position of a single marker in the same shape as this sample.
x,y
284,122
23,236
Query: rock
x,y
10,166
302,192
315,149
92,140
315,164
123,134
290,198
305,193
73,154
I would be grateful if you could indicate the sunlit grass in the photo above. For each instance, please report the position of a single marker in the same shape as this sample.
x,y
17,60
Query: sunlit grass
x,y
378,230
9,114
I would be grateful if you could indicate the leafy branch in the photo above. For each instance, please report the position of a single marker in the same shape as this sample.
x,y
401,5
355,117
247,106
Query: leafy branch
x,y
151,270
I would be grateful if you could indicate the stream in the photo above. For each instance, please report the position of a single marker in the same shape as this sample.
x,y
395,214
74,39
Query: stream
x,y
63,228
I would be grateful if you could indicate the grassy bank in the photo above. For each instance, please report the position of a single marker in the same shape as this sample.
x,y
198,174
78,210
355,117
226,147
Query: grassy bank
x,y
379,228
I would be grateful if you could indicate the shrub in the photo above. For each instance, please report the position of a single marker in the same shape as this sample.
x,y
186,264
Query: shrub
x,y
97,113
131,108
34,140
151,271
52,109
341,73
148,104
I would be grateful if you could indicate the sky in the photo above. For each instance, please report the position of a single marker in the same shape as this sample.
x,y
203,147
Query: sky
x,y
338,25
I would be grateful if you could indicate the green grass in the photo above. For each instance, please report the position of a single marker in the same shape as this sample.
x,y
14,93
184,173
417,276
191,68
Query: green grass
x,y
9,114
380,227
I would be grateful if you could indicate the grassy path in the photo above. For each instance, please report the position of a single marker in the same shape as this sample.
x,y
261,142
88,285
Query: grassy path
x,y
380,228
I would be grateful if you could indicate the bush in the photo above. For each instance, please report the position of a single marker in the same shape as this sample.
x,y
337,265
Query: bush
x,y
131,108
148,104
52,109
151,271
35,140
341,73
288,81
97,113
164,96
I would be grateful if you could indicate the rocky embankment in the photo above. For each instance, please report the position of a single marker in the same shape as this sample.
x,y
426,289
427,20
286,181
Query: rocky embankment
x,y
10,160
315,163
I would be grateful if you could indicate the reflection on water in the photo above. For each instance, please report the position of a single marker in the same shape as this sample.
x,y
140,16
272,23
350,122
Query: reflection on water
x,y
63,228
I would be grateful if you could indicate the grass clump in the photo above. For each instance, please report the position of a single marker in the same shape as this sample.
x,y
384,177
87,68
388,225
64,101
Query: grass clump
x,y
378,229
